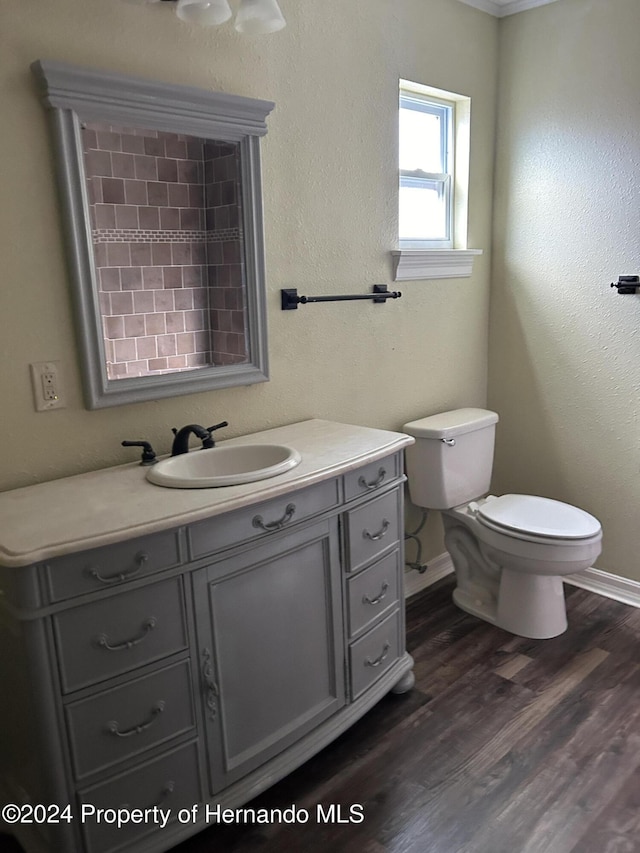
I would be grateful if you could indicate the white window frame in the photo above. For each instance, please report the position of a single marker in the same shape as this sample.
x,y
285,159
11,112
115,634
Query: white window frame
x,y
443,181
454,260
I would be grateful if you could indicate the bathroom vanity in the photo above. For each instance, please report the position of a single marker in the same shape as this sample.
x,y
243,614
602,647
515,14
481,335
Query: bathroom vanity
x,y
188,648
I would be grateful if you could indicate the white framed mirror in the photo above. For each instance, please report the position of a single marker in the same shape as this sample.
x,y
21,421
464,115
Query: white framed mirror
x,y
161,197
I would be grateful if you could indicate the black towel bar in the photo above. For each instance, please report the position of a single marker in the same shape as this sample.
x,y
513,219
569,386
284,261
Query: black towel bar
x,y
291,300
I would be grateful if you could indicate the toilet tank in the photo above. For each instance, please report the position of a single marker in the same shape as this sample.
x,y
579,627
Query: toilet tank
x,y
451,460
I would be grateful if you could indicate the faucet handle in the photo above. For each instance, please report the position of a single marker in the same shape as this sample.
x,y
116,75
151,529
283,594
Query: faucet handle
x,y
209,442
148,453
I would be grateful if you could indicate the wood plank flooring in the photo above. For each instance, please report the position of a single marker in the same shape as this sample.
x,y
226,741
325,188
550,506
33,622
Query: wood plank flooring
x,y
505,745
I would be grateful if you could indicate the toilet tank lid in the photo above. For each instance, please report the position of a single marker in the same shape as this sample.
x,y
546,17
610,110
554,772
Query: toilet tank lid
x,y
451,424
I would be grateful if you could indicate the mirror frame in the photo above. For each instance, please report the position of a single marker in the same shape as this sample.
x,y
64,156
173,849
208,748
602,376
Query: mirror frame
x,y
73,95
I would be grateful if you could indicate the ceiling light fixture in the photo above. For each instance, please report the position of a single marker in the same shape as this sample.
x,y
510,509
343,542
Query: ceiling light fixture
x,y
254,16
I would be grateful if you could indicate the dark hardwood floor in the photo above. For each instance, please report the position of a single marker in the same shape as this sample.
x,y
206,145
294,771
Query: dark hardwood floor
x,y
505,745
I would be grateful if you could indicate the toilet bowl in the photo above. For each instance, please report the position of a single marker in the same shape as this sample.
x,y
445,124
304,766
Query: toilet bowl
x,y
509,553
526,559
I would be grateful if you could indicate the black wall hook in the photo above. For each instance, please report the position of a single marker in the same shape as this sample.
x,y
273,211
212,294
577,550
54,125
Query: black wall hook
x,y
291,300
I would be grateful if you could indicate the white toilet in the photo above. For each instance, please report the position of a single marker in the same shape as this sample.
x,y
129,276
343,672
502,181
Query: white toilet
x,y
509,553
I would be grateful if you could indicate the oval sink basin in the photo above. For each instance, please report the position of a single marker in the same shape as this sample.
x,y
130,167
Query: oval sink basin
x,y
223,466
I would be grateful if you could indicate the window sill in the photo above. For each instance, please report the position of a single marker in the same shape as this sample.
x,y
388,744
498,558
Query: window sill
x,y
410,264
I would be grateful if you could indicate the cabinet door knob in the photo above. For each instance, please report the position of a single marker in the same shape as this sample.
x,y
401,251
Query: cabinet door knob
x,y
210,684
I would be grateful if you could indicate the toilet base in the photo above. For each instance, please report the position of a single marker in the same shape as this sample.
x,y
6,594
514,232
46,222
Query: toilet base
x,y
531,605
475,606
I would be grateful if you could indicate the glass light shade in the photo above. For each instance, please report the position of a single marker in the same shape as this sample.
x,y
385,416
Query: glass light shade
x,y
207,13
259,16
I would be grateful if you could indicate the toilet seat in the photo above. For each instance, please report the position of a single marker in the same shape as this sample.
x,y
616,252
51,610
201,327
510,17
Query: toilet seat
x,y
533,518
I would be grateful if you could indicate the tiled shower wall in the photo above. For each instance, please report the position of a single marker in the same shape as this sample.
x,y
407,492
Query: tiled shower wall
x,y
158,263
224,253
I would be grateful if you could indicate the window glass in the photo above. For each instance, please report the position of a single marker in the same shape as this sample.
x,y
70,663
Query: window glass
x,y
421,132
423,213
426,171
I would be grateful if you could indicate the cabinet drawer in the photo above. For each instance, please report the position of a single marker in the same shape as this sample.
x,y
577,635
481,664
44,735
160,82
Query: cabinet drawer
x,y
103,568
124,721
171,783
370,477
119,633
373,654
372,528
372,592
215,534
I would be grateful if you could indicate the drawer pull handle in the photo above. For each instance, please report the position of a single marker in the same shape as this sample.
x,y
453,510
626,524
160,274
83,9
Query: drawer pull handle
x,y
147,626
140,561
114,729
378,661
375,536
374,483
379,597
167,789
258,521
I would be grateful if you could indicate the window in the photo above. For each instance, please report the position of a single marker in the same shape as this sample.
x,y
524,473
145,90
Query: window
x,y
434,146
426,171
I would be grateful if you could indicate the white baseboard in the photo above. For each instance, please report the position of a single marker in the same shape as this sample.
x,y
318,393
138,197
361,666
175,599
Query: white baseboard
x,y
594,580
608,585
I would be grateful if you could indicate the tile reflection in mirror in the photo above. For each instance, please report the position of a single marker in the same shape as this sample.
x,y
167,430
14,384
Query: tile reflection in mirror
x,y
166,225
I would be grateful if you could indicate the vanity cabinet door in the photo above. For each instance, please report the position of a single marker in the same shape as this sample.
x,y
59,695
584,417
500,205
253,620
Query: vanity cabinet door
x,y
270,646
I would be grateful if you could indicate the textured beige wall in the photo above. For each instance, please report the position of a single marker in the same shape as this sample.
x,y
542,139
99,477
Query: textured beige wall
x,y
564,347
330,217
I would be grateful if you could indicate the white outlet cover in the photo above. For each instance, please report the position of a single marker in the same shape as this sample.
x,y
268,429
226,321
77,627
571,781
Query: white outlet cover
x,y
38,371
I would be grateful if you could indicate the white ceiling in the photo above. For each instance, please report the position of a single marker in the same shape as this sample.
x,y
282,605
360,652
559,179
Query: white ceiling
x,y
500,8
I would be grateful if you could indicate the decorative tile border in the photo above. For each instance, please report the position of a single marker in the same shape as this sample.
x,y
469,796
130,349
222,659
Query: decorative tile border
x,y
137,235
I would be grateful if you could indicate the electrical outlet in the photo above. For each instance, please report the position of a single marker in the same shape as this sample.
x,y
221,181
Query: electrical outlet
x,y
47,385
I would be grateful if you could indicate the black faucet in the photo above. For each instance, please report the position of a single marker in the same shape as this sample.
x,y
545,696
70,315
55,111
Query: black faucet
x,y
181,440
148,453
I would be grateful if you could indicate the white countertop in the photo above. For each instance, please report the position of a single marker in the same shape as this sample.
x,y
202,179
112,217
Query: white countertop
x,y
114,504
